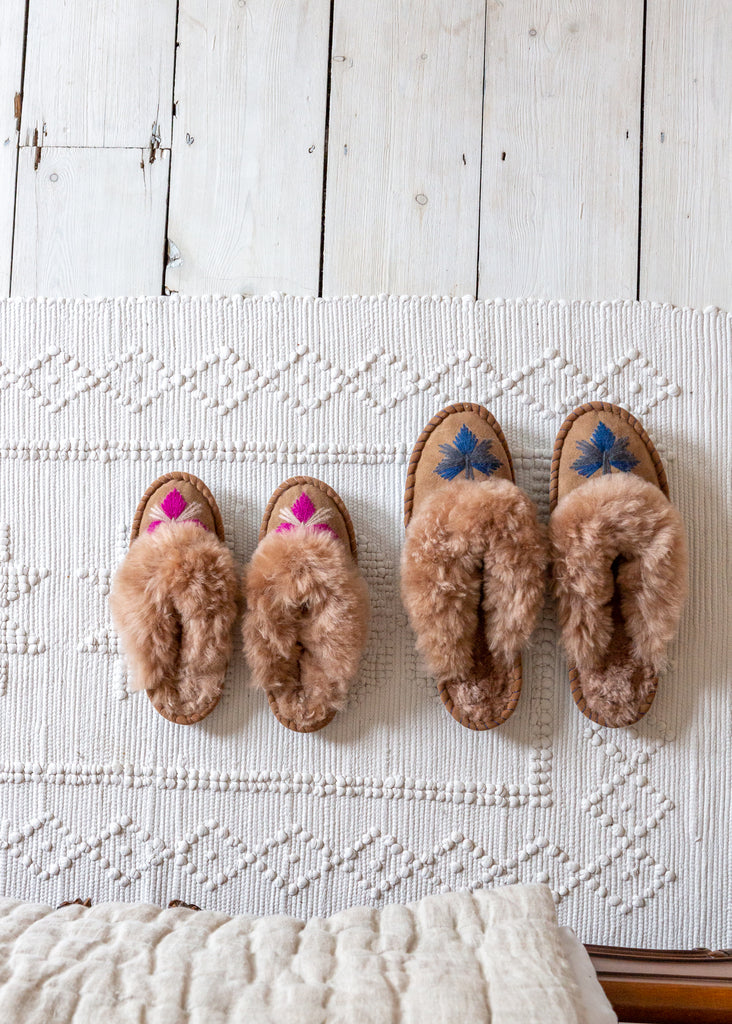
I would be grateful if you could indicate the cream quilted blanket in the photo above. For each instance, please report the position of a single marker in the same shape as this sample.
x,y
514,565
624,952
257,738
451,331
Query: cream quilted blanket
x,y
491,956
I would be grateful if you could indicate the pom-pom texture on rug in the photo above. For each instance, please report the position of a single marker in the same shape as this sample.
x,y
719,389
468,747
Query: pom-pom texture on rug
x,y
101,798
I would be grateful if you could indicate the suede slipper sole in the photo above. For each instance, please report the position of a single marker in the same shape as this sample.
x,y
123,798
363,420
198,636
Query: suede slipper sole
x,y
192,490
580,425
422,478
322,496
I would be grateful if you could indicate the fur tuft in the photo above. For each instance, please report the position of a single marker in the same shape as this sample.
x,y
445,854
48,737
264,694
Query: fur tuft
x,y
174,600
473,569
305,624
620,578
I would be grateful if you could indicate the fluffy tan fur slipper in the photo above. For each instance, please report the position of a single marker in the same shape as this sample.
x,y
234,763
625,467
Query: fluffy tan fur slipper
x,y
473,564
307,606
174,599
619,561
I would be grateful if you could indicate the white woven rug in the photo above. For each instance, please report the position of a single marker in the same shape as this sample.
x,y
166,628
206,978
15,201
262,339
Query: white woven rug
x,y
102,798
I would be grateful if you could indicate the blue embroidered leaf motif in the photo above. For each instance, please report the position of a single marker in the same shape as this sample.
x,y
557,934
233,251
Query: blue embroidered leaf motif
x,y
466,454
603,451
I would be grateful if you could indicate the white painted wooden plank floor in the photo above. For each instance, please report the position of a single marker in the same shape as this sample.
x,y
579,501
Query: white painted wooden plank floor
x,y
12,30
560,148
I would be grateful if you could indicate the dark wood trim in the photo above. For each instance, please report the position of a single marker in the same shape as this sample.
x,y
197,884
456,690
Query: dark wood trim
x,y
666,986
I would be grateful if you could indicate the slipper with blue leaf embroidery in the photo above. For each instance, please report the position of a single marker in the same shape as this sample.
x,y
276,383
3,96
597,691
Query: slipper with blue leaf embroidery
x,y
175,597
473,564
619,561
307,607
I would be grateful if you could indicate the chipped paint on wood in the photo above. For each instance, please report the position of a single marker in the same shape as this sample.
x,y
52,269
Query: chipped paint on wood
x,y
174,255
88,223
99,74
154,142
36,150
402,159
12,26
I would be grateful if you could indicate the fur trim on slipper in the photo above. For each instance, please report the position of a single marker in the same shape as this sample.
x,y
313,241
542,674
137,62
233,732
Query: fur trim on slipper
x,y
174,600
473,576
305,624
620,569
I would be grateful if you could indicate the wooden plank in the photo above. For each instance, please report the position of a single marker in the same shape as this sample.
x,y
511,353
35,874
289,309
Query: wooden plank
x,y
99,74
662,1002
686,227
664,985
248,146
561,149
403,186
11,65
90,222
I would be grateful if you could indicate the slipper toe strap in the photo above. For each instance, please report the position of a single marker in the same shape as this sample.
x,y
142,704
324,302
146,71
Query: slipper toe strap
x,y
617,540
306,621
467,544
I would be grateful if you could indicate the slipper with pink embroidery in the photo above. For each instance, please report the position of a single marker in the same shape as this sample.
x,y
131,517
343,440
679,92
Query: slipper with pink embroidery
x,y
307,608
174,599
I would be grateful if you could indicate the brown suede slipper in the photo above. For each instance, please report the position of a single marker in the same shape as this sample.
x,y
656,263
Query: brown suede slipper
x,y
473,564
307,606
174,599
619,561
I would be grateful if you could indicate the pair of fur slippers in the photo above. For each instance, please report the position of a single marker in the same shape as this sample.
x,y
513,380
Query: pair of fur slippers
x,y
474,561
176,596
473,578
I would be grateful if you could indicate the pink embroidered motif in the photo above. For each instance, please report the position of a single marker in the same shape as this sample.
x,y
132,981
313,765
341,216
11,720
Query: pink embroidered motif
x,y
173,504
304,513
175,509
